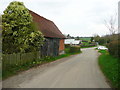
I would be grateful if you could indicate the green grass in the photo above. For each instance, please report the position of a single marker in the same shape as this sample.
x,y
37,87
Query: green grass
x,y
88,47
86,43
13,70
109,66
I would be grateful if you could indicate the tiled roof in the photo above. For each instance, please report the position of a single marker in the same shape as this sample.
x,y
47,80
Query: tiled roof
x,y
47,27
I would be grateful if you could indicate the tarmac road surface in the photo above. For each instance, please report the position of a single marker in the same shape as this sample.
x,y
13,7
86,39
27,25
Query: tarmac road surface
x,y
76,71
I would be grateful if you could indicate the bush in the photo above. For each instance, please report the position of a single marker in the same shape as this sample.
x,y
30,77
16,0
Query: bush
x,y
74,49
19,33
102,41
67,46
114,48
88,44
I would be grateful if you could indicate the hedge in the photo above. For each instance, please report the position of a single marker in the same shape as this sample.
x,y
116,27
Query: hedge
x,y
114,48
74,49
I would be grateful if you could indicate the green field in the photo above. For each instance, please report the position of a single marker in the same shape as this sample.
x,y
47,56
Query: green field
x,y
85,38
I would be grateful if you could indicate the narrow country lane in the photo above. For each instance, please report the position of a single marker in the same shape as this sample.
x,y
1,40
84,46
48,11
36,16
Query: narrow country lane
x,y
77,71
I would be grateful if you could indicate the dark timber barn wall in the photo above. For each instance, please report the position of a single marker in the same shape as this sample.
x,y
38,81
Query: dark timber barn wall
x,y
54,39
51,47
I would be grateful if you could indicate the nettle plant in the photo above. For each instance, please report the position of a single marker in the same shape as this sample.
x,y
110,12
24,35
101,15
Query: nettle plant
x,y
20,33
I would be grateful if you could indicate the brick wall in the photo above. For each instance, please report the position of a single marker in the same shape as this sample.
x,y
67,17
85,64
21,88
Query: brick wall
x,y
61,45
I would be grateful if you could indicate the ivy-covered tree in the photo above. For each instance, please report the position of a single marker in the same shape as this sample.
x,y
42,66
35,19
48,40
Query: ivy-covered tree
x,y
0,33
20,33
0,19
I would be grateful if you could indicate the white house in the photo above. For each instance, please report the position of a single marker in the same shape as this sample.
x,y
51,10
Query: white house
x,y
72,41
69,41
77,42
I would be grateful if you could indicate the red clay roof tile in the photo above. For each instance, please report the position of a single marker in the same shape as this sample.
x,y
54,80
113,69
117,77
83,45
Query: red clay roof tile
x,y
47,27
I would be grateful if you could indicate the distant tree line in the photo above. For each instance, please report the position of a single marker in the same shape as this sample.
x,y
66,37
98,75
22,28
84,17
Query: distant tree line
x,y
111,41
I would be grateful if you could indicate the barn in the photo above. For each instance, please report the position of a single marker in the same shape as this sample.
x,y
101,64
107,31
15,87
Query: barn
x,y
54,39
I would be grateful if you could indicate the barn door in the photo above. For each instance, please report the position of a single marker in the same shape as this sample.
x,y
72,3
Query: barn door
x,y
56,47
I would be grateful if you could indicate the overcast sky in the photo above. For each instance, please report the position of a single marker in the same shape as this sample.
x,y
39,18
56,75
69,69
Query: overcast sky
x,y
74,17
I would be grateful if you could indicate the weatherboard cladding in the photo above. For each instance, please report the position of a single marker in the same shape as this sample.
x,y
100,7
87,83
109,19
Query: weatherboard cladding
x,y
47,27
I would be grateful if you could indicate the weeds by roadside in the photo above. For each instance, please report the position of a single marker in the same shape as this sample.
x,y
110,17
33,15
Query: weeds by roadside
x,y
109,66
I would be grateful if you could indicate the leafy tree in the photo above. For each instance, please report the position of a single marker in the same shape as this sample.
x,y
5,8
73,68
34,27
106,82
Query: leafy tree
x,y
96,37
20,33
102,41
77,38
0,25
92,38
68,36
0,20
0,33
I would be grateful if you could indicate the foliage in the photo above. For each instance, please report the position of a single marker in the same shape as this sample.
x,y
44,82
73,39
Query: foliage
x,y
114,48
92,38
0,33
19,31
67,46
109,66
96,38
102,41
88,44
0,20
77,38
85,39
74,49
0,24
85,44
67,50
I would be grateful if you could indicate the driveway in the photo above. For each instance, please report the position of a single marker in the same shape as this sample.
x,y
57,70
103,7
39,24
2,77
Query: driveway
x,y
77,71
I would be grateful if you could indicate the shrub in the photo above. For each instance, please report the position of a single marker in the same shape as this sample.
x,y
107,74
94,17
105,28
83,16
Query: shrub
x,y
74,49
67,50
67,46
102,41
20,33
114,48
89,45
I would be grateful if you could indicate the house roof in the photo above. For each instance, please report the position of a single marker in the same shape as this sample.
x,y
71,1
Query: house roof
x,y
47,27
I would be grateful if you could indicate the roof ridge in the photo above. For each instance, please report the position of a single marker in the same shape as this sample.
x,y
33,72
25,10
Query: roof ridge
x,y
40,15
46,26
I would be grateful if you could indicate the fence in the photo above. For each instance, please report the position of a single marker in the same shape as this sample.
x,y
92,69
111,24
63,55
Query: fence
x,y
19,59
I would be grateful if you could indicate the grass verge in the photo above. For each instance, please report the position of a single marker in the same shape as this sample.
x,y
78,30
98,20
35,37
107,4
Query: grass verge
x,y
88,46
13,70
109,66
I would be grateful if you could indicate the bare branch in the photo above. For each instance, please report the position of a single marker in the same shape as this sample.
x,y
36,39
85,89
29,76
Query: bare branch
x,y
110,24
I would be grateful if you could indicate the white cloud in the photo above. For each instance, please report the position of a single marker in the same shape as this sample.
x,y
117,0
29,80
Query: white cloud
x,y
74,17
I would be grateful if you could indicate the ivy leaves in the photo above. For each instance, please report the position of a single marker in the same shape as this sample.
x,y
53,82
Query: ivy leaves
x,y
20,33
